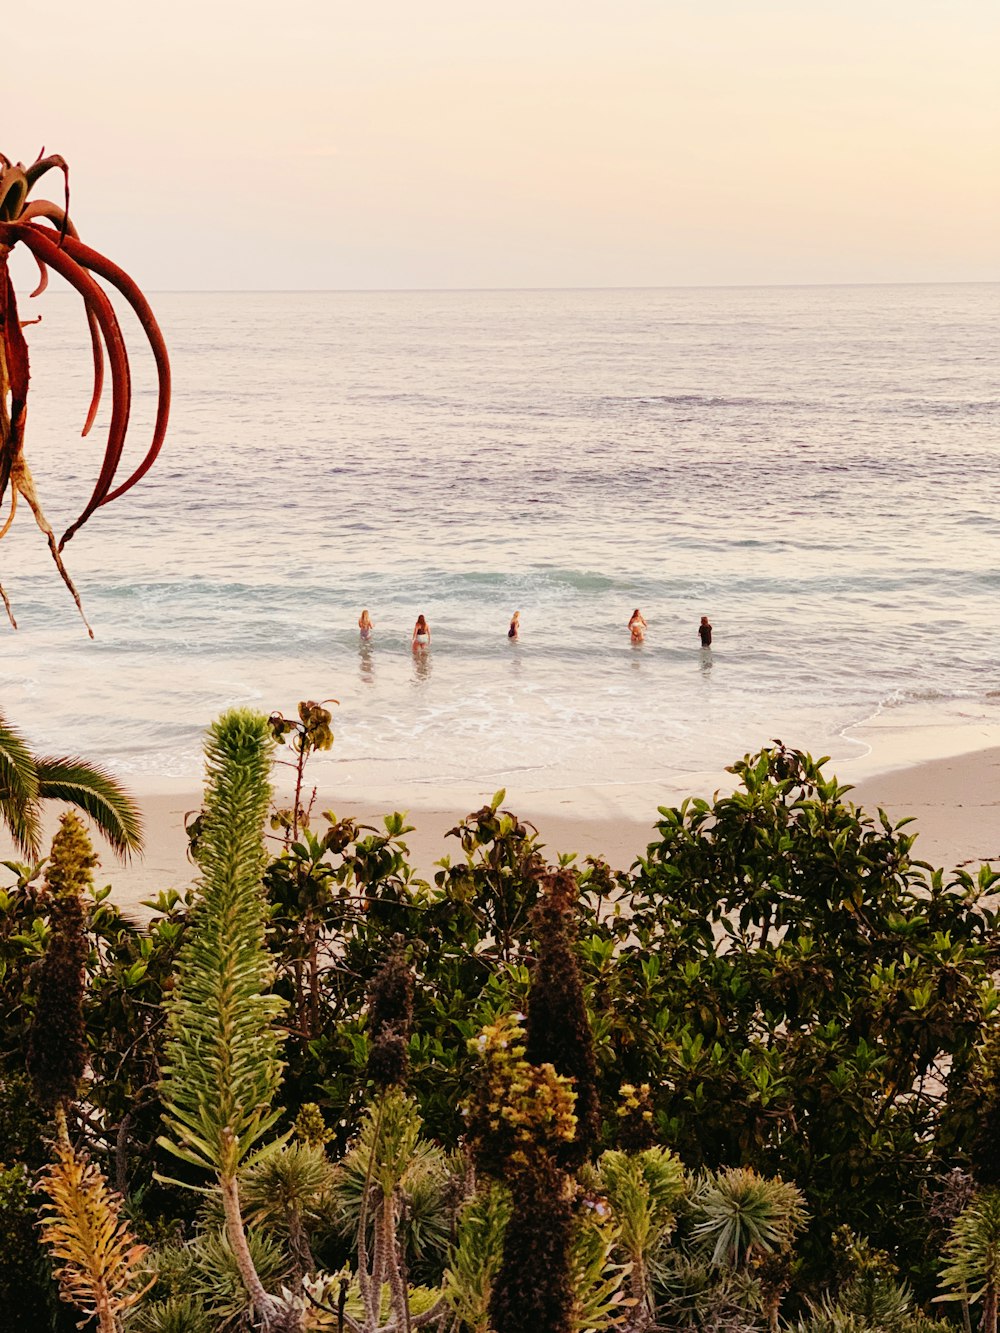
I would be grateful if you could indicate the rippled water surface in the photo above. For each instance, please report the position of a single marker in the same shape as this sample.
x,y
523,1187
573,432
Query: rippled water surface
x,y
815,468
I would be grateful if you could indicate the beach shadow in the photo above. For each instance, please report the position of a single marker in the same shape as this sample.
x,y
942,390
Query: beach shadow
x,y
707,661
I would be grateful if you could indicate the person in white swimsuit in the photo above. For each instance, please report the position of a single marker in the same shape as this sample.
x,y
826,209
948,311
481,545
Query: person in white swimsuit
x,y
637,626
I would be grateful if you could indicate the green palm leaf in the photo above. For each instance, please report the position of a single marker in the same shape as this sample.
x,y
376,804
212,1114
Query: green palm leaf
x,y
94,791
18,790
25,781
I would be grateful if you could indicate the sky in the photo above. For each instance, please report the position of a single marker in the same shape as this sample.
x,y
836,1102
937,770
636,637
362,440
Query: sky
x,y
469,143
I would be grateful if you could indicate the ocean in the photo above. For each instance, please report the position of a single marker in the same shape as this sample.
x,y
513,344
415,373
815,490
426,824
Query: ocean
x,y
814,468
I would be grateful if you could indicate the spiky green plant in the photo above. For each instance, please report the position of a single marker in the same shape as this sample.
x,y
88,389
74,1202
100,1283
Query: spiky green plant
x,y
691,1295
741,1213
26,780
643,1190
475,1258
598,1282
373,1188
834,1319
971,1266
177,1314
387,1148
222,1065
204,1273
287,1193
425,1188
870,1292
214,1273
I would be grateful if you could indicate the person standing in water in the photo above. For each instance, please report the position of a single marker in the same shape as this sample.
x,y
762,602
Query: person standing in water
x,y
365,625
637,626
705,632
421,634
515,626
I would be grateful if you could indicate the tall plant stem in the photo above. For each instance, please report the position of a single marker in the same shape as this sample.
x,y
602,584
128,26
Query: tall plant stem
x,y
988,1324
300,767
267,1307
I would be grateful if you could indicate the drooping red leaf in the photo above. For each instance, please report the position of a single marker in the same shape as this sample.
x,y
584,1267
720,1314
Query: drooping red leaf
x,y
105,268
44,208
13,190
38,169
17,360
42,244
43,278
6,445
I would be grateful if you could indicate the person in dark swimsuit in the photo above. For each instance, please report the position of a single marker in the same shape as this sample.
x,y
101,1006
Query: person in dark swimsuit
x,y
705,632
515,626
421,635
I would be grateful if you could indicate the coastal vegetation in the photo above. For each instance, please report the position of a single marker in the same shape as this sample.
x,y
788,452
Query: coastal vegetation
x,y
751,1082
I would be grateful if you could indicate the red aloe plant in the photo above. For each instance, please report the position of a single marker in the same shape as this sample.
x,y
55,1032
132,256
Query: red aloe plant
x,y
45,229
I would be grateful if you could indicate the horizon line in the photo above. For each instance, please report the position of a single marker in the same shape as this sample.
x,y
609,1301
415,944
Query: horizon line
x,y
653,287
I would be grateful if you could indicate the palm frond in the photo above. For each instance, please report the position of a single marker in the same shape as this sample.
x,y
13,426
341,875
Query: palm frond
x,y
18,790
94,791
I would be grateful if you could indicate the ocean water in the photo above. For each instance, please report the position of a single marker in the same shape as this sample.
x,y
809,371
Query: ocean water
x,y
814,468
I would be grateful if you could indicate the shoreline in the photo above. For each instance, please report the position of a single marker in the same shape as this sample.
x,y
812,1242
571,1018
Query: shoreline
x,y
954,799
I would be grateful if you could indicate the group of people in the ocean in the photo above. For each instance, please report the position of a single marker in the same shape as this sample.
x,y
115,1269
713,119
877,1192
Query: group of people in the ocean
x,y
421,639
637,629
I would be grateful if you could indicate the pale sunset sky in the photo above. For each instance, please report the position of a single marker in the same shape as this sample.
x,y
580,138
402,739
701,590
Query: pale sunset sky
x,y
468,143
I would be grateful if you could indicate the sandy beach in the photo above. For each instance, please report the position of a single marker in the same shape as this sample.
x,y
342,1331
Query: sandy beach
x,y
953,798
955,803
